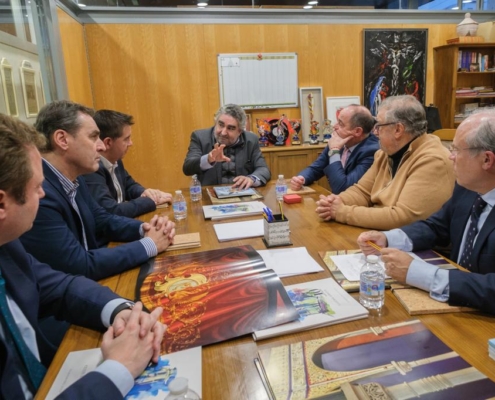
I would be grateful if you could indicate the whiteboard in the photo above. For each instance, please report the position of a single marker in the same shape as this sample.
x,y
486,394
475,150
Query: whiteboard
x,y
254,80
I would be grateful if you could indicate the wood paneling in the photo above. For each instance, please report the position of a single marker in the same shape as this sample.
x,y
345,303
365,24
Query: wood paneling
x,y
166,76
75,59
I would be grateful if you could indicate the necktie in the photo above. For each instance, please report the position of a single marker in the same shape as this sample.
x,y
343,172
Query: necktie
x,y
116,184
478,206
345,156
35,369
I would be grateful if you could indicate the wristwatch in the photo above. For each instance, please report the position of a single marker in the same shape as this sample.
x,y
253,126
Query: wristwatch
x,y
332,152
127,305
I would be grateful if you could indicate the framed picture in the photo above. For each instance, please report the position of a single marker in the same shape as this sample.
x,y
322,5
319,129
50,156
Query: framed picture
x,y
28,80
8,88
394,64
335,104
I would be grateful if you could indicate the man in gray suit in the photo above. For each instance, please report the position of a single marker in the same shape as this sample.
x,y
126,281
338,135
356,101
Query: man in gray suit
x,y
226,153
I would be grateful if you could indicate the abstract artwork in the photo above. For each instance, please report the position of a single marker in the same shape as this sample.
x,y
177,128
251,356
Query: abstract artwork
x,y
394,64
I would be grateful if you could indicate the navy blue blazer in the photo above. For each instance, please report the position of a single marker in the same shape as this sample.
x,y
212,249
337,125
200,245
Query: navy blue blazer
x,y
38,289
340,178
102,189
56,237
447,227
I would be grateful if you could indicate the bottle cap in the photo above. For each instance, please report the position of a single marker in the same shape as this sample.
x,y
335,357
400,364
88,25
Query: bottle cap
x,y
178,385
280,177
195,176
178,192
372,258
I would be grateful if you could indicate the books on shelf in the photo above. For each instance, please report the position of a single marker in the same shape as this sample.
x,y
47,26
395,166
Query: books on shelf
x,y
151,384
319,303
211,296
215,200
391,361
235,210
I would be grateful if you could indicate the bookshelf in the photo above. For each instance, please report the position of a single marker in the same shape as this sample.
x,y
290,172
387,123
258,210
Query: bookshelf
x,y
449,79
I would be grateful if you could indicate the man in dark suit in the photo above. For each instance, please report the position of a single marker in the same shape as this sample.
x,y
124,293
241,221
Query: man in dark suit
x,y
70,226
111,185
466,221
226,153
29,288
349,154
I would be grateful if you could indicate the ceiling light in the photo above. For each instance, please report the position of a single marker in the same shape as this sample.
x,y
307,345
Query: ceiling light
x,y
202,4
307,7
312,3
467,1
454,8
81,5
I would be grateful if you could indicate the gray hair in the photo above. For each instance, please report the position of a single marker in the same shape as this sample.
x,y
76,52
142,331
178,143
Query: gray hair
x,y
408,111
483,136
62,114
235,112
362,118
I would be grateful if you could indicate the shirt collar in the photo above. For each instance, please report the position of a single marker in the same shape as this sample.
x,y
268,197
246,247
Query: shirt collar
x,y
69,187
108,165
489,197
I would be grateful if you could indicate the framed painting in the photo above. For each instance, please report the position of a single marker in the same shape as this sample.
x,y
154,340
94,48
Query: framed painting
x,y
28,80
394,64
336,104
8,87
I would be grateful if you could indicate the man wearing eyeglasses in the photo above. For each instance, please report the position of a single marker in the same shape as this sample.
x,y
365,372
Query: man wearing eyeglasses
x,y
349,154
411,176
226,153
466,222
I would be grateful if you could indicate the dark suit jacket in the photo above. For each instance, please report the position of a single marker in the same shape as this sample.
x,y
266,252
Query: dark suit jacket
x,y
341,178
447,226
37,288
56,237
248,158
102,189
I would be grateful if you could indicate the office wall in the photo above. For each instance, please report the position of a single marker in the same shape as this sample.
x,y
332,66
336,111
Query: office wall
x,y
75,59
167,77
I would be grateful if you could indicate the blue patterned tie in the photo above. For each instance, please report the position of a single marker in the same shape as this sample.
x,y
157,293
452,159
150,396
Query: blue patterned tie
x,y
35,369
478,206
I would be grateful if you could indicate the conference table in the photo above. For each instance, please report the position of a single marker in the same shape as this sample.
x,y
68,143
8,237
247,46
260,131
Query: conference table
x,y
228,369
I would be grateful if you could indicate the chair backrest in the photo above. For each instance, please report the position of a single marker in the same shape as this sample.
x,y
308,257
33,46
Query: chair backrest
x,y
445,134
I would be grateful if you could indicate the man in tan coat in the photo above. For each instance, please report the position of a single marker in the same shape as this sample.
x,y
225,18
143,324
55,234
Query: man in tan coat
x,y
411,176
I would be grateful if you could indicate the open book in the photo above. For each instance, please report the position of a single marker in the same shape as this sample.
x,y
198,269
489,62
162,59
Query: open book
x,y
151,384
223,192
319,303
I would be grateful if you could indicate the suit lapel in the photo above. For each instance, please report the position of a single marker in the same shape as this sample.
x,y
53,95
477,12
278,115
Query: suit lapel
x,y
460,221
486,230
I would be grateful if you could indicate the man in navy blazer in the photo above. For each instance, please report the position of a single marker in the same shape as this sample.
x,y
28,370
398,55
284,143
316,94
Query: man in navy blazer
x,y
111,185
471,235
349,154
70,226
33,289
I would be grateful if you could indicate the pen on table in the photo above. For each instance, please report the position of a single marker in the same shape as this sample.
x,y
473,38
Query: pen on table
x,y
374,245
281,210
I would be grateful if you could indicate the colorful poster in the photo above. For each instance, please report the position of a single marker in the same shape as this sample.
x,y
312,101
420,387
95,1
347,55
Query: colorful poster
x,y
211,296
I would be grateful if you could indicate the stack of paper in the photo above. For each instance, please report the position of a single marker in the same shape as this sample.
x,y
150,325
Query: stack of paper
x,y
185,241
152,382
290,261
239,230
223,192
223,211
319,303
491,348
303,190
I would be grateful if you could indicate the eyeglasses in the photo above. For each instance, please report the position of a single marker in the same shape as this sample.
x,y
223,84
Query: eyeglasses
x,y
454,150
377,126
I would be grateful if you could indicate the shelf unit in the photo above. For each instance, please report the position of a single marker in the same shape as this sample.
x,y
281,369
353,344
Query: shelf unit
x,y
448,79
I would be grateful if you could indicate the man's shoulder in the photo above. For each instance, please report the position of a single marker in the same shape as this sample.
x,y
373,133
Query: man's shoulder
x,y
96,176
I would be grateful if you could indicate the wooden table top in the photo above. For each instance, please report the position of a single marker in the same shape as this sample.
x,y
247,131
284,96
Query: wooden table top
x,y
228,368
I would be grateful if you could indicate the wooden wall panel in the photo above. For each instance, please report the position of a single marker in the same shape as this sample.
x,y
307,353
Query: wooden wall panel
x,y
167,77
75,59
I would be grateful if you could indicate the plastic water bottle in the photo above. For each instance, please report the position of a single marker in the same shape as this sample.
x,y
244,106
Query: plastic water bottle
x,y
195,189
280,187
179,390
179,205
372,284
